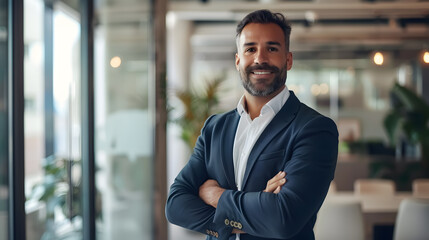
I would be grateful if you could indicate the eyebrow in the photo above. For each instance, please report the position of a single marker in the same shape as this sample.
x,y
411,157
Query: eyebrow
x,y
269,43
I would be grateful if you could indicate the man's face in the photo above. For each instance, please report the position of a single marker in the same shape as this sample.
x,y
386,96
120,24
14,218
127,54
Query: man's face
x,y
262,58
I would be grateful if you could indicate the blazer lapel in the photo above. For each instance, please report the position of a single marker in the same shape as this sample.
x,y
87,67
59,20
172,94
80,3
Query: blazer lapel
x,y
283,118
227,146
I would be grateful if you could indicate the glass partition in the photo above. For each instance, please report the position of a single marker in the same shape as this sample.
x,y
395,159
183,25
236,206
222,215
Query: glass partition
x,y
3,121
124,84
52,120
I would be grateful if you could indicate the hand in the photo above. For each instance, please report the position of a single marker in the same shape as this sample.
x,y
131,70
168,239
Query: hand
x,y
234,231
274,185
210,192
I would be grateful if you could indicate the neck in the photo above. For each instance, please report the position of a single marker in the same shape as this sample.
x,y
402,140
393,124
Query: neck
x,y
254,104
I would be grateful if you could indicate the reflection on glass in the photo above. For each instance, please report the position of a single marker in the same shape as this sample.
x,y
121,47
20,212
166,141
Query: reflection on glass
x,y
52,179
3,122
124,176
33,112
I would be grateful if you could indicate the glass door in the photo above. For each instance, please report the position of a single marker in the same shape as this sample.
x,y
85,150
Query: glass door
x,y
124,84
52,120
3,122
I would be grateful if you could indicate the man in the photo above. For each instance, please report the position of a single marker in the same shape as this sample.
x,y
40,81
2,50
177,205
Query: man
x,y
233,186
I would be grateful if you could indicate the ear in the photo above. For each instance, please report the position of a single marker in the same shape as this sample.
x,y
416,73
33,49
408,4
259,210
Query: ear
x,y
237,61
289,60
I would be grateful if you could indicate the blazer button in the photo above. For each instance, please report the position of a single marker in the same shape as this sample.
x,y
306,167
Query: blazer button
x,y
236,224
216,235
240,226
226,222
208,231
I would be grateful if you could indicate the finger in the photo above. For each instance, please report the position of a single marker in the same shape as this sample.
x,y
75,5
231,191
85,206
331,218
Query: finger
x,y
277,182
277,177
272,186
277,190
273,179
279,187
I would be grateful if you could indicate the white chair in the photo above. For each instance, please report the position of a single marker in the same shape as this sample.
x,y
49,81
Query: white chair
x,y
421,187
374,186
339,221
412,221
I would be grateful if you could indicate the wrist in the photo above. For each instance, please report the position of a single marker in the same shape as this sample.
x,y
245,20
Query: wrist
x,y
219,192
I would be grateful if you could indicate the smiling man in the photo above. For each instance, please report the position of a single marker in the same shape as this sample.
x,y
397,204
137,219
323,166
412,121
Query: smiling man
x,y
262,170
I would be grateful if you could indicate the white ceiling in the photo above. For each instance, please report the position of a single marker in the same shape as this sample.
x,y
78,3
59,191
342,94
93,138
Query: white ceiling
x,y
319,25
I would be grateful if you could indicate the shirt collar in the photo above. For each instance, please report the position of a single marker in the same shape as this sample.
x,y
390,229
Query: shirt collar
x,y
275,104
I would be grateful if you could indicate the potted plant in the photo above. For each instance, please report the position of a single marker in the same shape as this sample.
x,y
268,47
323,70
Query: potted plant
x,y
198,106
409,119
57,190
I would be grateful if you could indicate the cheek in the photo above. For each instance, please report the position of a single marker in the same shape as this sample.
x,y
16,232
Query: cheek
x,y
245,62
240,66
281,62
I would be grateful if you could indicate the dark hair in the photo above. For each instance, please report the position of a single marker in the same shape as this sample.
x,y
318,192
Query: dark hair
x,y
266,16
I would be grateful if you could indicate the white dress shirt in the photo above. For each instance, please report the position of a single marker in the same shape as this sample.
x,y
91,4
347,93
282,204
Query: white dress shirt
x,y
248,132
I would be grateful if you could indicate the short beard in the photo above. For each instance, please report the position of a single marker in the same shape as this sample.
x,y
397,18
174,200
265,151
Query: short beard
x,y
278,81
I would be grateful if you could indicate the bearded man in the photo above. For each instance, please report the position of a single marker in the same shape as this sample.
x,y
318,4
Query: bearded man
x,y
262,170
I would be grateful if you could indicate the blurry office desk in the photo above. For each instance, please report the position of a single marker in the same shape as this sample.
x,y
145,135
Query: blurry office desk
x,y
351,167
376,209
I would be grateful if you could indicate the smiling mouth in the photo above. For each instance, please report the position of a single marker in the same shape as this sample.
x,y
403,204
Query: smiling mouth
x,y
261,72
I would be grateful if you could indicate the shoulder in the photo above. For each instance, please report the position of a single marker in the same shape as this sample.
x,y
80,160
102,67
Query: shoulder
x,y
306,117
220,119
309,117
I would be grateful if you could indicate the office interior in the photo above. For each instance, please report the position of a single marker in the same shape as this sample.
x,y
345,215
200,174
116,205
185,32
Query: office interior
x,y
94,96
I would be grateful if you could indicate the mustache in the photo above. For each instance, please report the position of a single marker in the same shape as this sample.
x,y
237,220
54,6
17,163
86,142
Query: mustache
x,y
263,66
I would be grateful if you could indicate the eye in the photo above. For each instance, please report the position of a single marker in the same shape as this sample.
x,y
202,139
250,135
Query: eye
x,y
250,49
272,49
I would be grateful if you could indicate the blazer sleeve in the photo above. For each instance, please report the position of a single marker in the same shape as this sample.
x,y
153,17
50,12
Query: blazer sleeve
x,y
309,172
184,206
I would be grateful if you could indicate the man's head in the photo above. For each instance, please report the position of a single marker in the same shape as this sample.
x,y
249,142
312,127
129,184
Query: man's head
x,y
265,16
263,56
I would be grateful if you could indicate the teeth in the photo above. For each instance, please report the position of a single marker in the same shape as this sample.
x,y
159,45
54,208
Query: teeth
x,y
260,73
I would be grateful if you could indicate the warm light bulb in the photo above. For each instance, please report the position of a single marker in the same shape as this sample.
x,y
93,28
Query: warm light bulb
x,y
324,88
115,62
315,89
378,58
426,57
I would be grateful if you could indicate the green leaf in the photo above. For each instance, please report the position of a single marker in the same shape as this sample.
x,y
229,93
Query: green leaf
x,y
412,102
391,125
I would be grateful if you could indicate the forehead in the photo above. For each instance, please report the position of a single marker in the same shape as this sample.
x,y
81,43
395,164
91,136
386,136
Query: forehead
x,y
261,33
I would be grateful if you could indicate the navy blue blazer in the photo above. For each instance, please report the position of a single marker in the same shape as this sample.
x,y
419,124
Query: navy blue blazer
x,y
298,140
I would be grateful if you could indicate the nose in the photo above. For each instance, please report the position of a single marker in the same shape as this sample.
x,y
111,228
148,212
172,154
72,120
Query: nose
x,y
261,57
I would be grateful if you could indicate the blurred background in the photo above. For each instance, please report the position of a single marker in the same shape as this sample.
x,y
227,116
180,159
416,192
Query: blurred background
x,y
115,93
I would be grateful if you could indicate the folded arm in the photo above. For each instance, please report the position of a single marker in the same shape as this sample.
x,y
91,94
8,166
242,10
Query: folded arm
x,y
210,191
283,215
184,207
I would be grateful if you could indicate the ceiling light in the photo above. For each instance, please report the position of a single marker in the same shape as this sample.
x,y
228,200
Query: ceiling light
x,y
310,16
324,88
378,58
315,89
426,57
115,62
